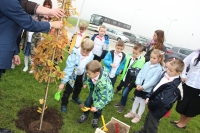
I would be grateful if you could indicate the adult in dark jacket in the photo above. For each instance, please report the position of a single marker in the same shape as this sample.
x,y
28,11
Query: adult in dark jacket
x,y
158,40
12,15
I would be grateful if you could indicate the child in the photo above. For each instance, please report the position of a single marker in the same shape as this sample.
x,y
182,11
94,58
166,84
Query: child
x,y
75,67
131,69
101,43
26,43
145,81
163,96
115,60
101,91
78,38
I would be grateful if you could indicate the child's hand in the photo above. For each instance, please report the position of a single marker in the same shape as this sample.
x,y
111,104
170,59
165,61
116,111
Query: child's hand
x,y
93,109
84,86
147,100
113,65
61,86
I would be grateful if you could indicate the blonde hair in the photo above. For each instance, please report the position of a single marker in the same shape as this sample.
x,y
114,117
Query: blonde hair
x,y
94,66
178,64
160,54
83,25
87,45
102,26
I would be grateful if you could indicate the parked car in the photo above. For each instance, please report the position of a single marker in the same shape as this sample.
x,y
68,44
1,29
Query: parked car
x,y
130,36
177,53
116,35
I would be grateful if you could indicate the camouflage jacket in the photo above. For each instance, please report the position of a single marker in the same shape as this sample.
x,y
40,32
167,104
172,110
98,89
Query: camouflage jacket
x,y
34,41
102,90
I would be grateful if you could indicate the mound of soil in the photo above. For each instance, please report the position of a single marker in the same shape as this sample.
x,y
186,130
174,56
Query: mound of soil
x,y
29,120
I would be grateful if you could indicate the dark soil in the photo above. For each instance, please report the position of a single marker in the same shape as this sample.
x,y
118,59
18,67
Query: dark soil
x,y
28,120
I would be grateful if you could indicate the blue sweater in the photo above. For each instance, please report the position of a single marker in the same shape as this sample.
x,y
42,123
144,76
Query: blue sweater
x,y
109,58
149,77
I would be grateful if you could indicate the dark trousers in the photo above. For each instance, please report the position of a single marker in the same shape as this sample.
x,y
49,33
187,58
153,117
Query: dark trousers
x,y
76,91
97,58
113,80
119,87
1,72
89,102
150,124
125,93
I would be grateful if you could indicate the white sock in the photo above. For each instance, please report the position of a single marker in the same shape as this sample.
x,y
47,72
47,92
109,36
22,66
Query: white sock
x,y
142,107
135,104
26,61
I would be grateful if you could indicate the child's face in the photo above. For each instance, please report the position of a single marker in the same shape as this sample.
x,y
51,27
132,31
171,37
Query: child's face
x,y
92,74
155,36
171,71
136,53
82,29
154,59
84,52
48,6
102,32
119,49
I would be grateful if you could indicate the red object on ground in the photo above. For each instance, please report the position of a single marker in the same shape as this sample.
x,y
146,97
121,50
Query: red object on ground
x,y
167,114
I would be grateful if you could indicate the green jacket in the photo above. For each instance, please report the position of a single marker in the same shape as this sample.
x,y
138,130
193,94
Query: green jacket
x,y
102,90
138,64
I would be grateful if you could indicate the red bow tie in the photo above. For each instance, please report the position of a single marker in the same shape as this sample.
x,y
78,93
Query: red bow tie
x,y
118,55
167,77
80,34
94,80
99,38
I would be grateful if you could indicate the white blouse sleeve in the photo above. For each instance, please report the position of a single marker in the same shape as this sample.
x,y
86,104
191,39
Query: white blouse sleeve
x,y
187,62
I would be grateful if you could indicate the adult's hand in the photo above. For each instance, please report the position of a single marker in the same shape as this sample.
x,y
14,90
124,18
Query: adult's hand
x,y
46,11
16,59
56,24
57,12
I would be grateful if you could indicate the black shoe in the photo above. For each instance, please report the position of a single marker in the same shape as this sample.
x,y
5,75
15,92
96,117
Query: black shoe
x,y
3,130
78,101
133,98
118,104
82,118
120,109
94,123
173,122
179,127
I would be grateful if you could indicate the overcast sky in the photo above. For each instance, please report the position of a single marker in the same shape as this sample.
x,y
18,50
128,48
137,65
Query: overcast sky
x,y
154,14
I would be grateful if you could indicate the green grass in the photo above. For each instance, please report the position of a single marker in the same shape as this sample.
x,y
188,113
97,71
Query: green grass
x,y
19,89
73,21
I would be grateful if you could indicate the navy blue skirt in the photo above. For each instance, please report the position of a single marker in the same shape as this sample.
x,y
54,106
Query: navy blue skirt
x,y
141,94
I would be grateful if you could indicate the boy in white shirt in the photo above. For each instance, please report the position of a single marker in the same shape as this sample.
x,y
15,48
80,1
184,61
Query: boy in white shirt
x,y
115,60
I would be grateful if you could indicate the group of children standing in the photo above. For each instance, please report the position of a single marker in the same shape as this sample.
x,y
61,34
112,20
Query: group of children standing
x,y
154,86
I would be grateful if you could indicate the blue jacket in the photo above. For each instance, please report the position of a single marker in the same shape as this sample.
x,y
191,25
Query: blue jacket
x,y
163,99
148,77
72,63
109,58
12,15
